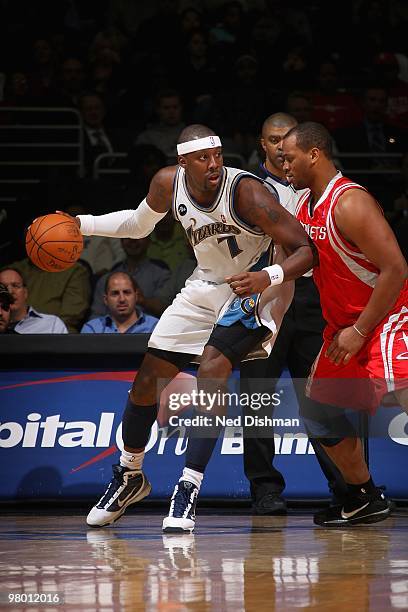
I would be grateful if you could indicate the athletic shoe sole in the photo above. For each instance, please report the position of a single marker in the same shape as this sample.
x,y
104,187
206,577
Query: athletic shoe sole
x,y
373,517
175,525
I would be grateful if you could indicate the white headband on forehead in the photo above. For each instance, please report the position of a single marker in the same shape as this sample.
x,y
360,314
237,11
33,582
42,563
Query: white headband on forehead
x,y
209,142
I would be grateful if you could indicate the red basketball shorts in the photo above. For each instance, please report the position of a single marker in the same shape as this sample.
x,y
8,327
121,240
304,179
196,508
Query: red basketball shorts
x,y
378,369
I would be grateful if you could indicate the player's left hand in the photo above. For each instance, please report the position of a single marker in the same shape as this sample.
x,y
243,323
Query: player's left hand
x,y
247,283
346,343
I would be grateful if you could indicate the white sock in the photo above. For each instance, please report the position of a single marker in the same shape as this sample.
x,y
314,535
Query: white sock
x,y
192,476
133,461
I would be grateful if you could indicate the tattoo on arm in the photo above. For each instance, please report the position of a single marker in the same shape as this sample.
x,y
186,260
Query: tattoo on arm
x,y
264,207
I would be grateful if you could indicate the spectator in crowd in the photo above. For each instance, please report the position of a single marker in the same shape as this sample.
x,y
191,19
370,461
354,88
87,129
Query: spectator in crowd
x,y
164,132
197,74
168,243
125,316
298,105
70,83
191,20
16,93
143,161
230,33
24,319
98,139
174,284
266,37
331,104
241,104
387,70
107,65
17,90
99,252
156,33
127,16
65,294
43,68
6,299
296,68
149,276
375,134
398,216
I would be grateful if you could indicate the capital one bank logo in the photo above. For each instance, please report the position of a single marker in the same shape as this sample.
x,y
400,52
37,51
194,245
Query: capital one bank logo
x,y
52,431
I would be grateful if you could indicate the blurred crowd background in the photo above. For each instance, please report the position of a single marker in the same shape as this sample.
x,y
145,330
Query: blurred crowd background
x,y
94,94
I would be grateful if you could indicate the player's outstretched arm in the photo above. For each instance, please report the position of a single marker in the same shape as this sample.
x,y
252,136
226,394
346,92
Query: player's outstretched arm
x,y
136,223
258,207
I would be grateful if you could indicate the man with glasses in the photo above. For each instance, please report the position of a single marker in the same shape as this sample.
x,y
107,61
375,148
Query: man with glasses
x,y
24,319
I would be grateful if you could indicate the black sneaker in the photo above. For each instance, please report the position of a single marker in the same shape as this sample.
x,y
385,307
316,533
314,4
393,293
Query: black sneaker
x,y
271,503
182,508
363,508
126,487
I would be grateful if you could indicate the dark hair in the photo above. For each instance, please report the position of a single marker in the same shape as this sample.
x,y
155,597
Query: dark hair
x,y
195,131
5,297
311,134
132,280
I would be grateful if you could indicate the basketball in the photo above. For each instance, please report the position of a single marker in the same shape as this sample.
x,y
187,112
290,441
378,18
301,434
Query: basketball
x,y
54,242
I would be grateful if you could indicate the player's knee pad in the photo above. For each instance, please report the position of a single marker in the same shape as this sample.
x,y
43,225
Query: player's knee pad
x,y
137,422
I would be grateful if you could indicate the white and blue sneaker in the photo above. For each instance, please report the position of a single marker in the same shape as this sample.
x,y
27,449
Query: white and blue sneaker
x,y
126,487
181,516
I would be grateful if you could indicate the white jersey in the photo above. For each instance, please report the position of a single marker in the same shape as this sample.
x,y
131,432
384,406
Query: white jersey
x,y
288,196
223,243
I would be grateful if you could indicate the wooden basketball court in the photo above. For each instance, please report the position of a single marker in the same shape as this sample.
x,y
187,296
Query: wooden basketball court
x,y
234,562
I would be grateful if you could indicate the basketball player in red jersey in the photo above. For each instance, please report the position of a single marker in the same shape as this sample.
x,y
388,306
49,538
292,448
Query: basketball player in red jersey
x,y
362,280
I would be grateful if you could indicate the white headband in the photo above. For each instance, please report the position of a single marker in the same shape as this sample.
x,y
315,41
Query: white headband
x,y
209,142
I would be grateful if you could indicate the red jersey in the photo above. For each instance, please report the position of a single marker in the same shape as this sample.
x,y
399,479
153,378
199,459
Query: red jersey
x,y
345,277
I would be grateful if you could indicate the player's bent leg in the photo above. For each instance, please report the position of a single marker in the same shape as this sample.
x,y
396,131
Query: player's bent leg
x,y
364,502
212,377
129,484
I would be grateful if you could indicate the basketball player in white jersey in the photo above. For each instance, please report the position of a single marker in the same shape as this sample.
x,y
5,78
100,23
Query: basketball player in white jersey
x,y
230,218
296,347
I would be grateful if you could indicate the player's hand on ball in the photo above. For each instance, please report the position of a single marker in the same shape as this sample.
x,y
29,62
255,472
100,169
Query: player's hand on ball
x,y
54,242
77,221
247,283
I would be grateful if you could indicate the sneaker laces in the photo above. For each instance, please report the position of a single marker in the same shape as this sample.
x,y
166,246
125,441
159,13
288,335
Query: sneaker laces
x,y
182,499
116,482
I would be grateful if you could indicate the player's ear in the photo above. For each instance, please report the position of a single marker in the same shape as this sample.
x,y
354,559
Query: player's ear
x,y
314,154
263,145
182,161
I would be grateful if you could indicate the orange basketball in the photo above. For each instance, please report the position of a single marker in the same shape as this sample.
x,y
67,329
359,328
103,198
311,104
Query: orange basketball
x,y
54,242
